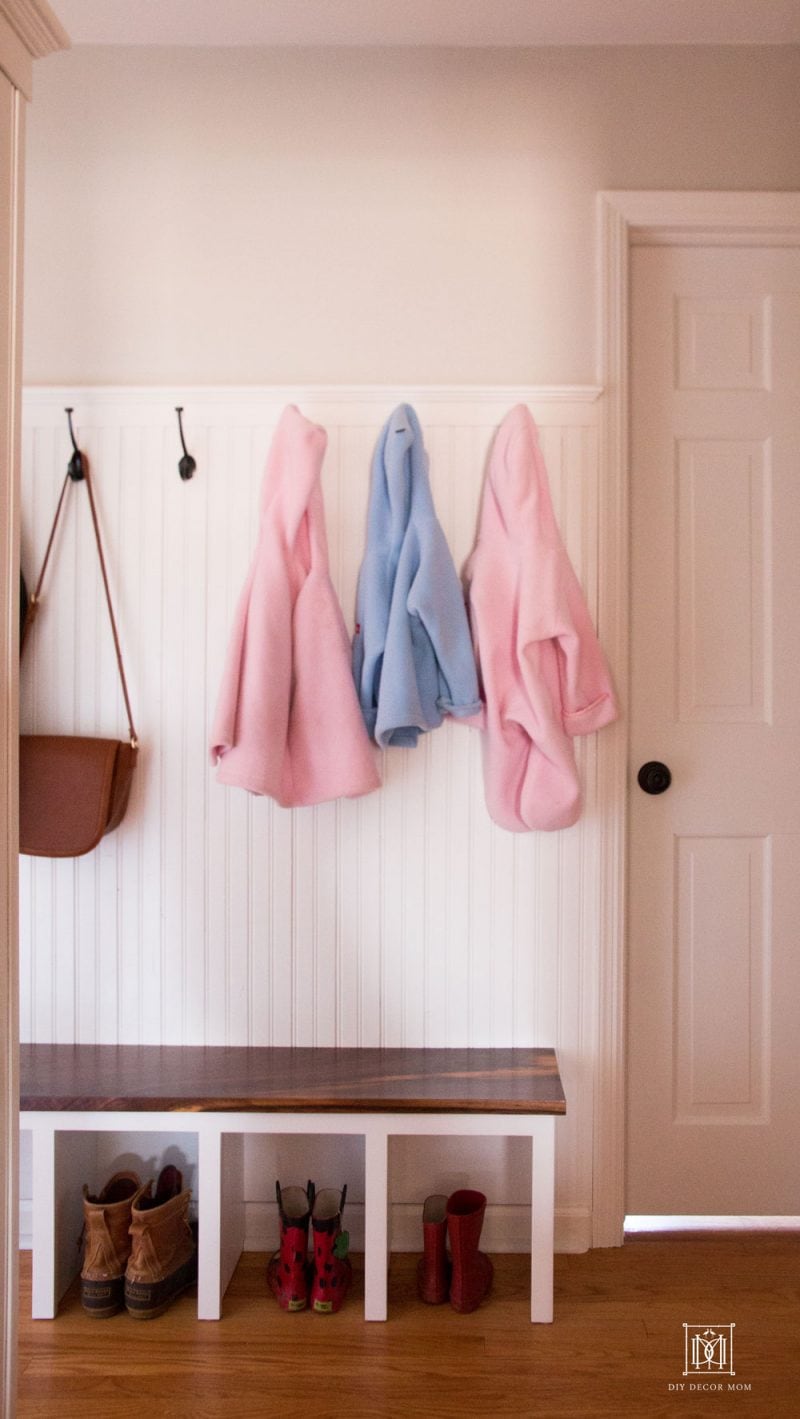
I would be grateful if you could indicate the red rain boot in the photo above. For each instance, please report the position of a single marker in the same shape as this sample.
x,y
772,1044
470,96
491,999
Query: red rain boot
x,y
472,1270
433,1268
288,1271
332,1270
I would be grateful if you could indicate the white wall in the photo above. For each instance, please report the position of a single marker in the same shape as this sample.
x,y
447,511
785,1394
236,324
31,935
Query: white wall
x,y
255,216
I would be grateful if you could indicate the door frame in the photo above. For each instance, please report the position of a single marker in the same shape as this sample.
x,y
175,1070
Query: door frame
x,y
626,219
28,31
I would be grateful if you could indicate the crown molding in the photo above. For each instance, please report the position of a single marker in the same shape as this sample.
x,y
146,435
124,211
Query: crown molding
x,y
28,30
36,25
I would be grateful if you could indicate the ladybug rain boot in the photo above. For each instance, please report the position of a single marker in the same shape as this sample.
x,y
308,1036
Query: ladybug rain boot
x,y
332,1269
288,1271
433,1268
472,1270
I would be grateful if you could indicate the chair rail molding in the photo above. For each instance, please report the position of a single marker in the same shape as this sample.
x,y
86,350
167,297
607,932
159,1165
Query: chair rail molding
x,y
624,220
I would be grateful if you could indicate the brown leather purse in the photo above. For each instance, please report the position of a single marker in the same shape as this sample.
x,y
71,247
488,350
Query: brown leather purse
x,y
73,789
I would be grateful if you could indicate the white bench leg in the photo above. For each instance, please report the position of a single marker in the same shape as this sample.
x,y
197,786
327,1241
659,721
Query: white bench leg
x,y
376,1229
543,1180
209,1217
233,1210
62,1163
43,1225
220,1216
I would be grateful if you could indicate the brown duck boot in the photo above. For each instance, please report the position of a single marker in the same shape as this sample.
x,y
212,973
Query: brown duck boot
x,y
106,1225
163,1259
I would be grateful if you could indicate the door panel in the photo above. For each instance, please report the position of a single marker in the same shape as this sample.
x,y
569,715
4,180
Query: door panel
x,y
721,494
721,966
714,904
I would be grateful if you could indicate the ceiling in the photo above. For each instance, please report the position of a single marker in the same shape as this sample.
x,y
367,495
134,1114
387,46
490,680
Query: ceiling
x,y
430,22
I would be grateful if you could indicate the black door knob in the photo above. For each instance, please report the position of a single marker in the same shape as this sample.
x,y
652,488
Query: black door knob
x,y
654,777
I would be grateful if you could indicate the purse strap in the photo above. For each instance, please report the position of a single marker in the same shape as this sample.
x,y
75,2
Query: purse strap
x,y
34,601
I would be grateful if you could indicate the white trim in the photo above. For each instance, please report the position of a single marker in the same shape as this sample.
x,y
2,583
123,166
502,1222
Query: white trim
x,y
329,1121
15,61
608,1131
9,734
25,1224
657,216
506,1228
211,399
683,1222
28,30
38,27
627,219
17,47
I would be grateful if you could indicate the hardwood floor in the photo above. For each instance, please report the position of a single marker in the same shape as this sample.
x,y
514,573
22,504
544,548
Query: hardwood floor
x,y
615,1349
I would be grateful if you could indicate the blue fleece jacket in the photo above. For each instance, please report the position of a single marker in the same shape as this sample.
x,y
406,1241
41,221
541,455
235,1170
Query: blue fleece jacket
x,y
412,654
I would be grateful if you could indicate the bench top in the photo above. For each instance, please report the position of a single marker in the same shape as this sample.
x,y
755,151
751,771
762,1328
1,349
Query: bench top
x,y
214,1078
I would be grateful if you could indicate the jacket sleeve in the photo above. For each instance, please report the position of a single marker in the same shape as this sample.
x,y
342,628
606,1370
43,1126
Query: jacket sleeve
x,y
369,640
436,597
223,727
558,613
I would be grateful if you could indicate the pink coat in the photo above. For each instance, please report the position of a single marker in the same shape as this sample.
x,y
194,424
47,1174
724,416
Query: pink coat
x,y
288,722
542,671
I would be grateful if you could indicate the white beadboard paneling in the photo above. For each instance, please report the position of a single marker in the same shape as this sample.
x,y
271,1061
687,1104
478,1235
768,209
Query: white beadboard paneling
x,y
212,917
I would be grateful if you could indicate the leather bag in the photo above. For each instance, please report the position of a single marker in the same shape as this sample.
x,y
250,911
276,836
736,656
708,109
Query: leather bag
x,y
73,789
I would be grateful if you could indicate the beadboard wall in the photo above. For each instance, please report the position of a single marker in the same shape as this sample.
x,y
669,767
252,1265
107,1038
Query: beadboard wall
x,y
213,917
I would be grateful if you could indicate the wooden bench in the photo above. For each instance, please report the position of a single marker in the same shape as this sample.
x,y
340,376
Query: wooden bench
x,y
220,1095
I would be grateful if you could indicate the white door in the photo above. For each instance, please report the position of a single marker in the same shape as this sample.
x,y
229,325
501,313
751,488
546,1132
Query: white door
x,y
714,875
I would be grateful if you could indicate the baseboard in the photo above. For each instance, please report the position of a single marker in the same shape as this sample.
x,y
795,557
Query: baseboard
x,y
25,1224
505,1229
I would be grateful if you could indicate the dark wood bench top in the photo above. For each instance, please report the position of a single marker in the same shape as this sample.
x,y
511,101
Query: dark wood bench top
x,y
296,1080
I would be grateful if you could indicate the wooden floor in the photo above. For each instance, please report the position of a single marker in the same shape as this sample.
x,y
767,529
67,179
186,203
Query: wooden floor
x,y
615,1349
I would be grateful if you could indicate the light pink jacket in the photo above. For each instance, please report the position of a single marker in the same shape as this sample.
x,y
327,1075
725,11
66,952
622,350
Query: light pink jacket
x,y
542,672
288,722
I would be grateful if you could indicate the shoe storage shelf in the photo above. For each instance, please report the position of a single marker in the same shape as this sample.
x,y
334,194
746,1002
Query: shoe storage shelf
x,y
219,1095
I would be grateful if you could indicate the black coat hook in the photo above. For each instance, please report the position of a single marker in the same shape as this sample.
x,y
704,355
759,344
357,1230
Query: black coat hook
x,y
75,468
187,464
